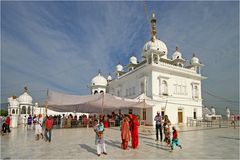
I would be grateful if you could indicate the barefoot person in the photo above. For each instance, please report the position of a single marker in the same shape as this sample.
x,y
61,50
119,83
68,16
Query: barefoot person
x,y
101,148
48,130
125,133
166,128
175,138
38,126
134,132
158,119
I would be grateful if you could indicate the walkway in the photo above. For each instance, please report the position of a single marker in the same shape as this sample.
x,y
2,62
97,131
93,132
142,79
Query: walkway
x,y
78,143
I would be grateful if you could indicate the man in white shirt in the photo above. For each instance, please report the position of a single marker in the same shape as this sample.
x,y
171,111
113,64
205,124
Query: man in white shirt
x,y
158,119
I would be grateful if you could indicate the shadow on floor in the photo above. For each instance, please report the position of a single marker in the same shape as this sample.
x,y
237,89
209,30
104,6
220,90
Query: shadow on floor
x,y
145,137
230,138
113,143
163,146
88,148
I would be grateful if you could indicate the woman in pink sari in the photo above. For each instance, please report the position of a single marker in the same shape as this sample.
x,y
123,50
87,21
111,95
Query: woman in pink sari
x,y
134,132
125,133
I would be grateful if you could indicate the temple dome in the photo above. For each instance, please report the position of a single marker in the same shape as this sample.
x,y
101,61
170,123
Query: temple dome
x,y
157,45
177,54
133,60
13,102
194,60
25,98
109,78
119,68
99,80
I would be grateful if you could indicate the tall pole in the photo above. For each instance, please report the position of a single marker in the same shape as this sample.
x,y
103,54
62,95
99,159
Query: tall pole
x,y
102,101
46,106
165,110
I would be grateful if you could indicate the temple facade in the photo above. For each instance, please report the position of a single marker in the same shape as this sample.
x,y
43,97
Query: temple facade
x,y
170,85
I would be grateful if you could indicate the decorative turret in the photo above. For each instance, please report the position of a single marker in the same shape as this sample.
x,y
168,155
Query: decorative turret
x,y
177,58
119,70
109,78
99,84
195,64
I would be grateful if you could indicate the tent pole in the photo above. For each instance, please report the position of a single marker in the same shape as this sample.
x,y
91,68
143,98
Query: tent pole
x,y
165,107
102,101
146,115
46,106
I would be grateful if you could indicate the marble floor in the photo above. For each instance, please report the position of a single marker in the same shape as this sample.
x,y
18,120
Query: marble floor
x,y
78,143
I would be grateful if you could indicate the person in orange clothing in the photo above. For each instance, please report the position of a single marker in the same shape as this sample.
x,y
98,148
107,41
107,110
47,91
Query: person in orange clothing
x,y
134,132
125,133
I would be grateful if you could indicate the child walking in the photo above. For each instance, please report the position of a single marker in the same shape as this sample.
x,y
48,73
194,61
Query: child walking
x,y
175,139
101,148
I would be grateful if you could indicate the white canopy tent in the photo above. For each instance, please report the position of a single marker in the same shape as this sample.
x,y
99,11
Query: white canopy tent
x,y
98,103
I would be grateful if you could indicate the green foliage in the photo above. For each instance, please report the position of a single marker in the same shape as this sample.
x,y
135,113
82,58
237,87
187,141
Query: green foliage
x,y
3,112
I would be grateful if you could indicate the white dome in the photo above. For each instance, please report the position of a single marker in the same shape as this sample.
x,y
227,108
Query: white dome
x,y
109,78
25,98
13,102
133,60
177,55
119,68
99,80
194,60
157,45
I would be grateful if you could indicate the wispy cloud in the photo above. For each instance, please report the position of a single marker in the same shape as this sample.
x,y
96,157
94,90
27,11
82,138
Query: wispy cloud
x,y
61,45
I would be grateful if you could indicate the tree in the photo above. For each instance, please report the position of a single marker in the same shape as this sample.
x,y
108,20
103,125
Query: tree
x,y
3,112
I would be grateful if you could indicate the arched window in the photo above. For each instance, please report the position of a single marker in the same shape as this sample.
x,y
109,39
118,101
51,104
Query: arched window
x,y
155,58
164,88
149,59
13,111
95,92
29,110
101,91
23,110
196,92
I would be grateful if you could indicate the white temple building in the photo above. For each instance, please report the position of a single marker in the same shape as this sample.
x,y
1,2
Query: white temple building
x,y
22,106
168,84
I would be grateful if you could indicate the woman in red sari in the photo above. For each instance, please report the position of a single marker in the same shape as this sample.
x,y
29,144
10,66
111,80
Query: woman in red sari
x,y
105,121
125,133
134,132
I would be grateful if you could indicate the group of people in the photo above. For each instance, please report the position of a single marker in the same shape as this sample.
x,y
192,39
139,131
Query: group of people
x,y
129,131
42,124
163,123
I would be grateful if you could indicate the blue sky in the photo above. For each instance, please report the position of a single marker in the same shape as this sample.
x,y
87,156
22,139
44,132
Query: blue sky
x,y
62,45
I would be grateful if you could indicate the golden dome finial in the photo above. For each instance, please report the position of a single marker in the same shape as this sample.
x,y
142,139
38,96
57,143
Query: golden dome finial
x,y
25,89
154,30
177,49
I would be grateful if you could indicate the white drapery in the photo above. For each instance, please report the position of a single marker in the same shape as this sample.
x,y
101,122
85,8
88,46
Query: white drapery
x,y
98,103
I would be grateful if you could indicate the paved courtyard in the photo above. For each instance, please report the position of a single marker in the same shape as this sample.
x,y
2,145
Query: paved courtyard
x,y
78,143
